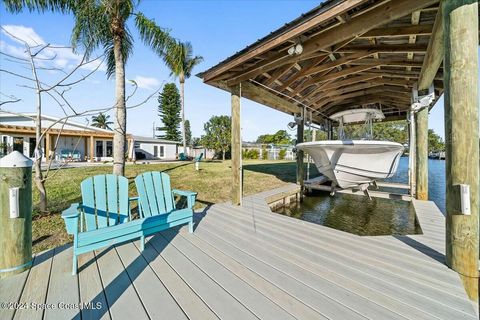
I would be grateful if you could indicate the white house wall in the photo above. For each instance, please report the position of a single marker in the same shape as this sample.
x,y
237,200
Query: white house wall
x,y
147,148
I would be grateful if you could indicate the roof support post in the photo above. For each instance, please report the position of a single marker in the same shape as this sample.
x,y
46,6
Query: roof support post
x,y
461,137
92,150
237,183
411,154
300,153
421,154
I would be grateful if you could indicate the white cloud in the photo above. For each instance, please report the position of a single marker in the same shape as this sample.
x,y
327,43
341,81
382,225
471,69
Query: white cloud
x,y
147,82
21,34
62,56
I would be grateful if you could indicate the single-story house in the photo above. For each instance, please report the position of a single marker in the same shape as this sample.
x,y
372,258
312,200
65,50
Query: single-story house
x,y
153,148
67,140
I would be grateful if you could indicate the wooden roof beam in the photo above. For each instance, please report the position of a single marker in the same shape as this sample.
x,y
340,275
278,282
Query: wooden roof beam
x,y
349,95
356,27
287,35
404,31
340,74
341,61
386,48
280,72
333,93
434,56
413,38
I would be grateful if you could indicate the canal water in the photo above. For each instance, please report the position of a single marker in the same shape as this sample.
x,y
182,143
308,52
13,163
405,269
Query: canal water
x,y
362,216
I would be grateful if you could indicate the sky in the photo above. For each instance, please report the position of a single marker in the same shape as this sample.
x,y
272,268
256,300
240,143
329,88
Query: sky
x,y
216,29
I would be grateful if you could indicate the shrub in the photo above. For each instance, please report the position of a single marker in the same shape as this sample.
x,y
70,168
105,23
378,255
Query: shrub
x,y
264,154
250,154
253,154
282,153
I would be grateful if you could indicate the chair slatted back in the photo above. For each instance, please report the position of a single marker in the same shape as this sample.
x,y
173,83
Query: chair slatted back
x,y
155,193
105,201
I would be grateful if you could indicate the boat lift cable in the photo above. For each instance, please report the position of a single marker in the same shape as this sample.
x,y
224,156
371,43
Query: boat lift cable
x,y
287,96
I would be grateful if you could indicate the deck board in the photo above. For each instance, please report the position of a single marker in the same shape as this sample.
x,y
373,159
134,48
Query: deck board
x,y
249,263
61,282
362,282
91,288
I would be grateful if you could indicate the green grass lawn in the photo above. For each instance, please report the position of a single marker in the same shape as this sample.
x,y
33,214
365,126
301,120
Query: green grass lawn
x,y
212,182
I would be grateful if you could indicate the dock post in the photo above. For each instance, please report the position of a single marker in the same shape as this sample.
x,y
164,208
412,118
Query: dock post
x,y
411,155
421,154
236,193
461,139
300,153
15,214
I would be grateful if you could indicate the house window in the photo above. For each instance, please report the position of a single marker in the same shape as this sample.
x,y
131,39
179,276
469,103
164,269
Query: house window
x,y
99,149
4,145
155,151
18,144
32,142
109,148
162,151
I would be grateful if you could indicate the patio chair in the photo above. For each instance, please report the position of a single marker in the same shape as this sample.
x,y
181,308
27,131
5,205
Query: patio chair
x,y
182,157
64,154
104,217
76,155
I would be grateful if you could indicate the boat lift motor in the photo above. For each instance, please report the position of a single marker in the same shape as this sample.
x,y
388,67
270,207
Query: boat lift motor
x,y
423,98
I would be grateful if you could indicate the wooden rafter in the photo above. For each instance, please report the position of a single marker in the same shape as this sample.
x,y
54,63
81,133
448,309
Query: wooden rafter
x,y
434,56
402,31
357,26
290,34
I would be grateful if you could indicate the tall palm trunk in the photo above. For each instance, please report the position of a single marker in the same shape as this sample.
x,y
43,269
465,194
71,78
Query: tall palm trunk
x,y
182,99
120,127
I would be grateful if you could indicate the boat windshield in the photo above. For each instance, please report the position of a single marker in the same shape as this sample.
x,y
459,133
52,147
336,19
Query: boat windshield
x,y
356,131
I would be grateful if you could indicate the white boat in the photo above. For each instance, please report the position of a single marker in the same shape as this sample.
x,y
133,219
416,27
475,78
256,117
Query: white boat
x,y
355,163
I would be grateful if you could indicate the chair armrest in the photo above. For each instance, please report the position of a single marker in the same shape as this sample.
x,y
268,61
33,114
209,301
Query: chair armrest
x,y
189,194
71,217
140,212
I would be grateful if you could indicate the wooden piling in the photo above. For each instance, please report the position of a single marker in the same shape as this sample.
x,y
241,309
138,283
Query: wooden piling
x,y
411,155
300,153
421,154
461,137
15,232
236,193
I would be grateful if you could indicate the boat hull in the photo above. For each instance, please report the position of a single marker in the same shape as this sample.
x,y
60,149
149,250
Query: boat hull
x,y
351,163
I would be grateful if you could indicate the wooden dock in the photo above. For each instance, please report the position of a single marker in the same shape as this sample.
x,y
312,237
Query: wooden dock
x,y
249,263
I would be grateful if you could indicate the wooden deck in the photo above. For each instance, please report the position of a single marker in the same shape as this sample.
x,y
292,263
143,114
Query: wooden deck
x,y
248,263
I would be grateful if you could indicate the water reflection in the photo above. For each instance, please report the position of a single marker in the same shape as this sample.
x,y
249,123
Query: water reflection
x,y
357,215
436,180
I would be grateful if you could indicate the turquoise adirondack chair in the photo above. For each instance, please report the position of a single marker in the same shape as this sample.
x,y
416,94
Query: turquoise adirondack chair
x,y
105,205
157,198
104,216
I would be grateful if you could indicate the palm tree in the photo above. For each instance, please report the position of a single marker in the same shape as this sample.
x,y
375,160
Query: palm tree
x,y
181,62
101,121
103,24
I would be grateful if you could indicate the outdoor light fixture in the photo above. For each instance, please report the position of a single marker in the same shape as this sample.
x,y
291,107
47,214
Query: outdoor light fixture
x,y
297,119
296,49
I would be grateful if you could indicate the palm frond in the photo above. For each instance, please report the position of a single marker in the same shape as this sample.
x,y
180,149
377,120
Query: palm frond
x,y
17,6
154,36
91,28
180,60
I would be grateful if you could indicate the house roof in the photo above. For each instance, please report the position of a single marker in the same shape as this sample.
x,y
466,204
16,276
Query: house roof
x,y
61,121
153,140
353,53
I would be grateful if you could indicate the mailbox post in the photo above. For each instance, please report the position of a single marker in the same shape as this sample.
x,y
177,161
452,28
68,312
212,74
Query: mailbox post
x,y
15,214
